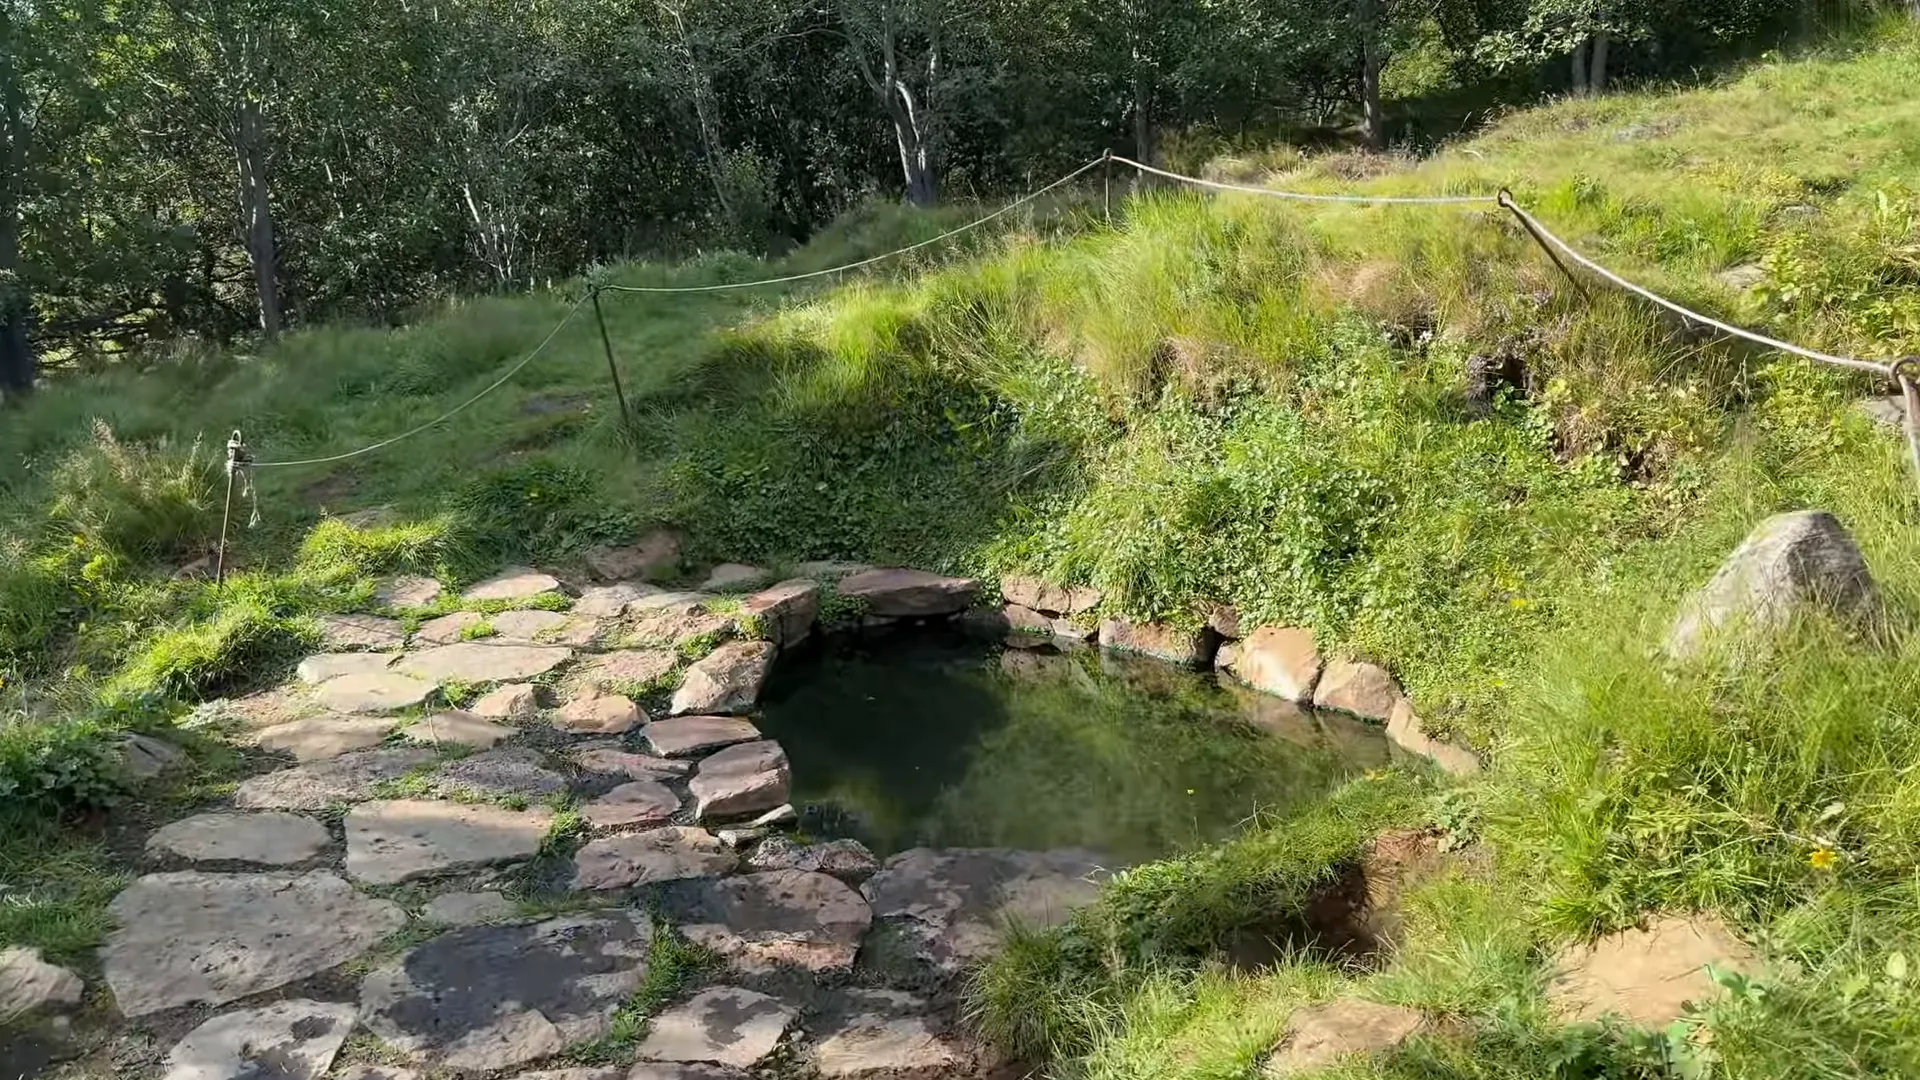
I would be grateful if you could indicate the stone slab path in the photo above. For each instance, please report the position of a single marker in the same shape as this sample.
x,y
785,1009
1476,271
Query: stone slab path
x,y
408,836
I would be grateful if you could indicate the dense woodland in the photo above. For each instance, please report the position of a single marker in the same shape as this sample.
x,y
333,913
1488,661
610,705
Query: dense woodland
x,y
211,169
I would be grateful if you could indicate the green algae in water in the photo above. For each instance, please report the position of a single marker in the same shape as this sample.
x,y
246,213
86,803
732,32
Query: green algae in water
x,y
933,740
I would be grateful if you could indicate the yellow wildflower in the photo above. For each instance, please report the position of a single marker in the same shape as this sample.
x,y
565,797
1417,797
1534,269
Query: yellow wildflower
x,y
1823,859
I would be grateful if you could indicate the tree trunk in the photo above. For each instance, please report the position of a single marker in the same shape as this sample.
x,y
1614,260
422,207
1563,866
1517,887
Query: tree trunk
x,y
17,363
1580,69
1373,125
701,89
916,163
1142,114
256,212
1597,72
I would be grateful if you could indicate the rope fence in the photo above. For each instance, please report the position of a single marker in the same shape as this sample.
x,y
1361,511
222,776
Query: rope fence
x,y
1903,373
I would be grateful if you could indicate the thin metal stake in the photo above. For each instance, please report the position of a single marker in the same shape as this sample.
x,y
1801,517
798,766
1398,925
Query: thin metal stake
x,y
1107,160
235,455
1905,371
613,369
1505,199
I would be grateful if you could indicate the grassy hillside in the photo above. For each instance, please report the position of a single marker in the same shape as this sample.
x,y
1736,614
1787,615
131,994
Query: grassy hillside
x,y
1397,425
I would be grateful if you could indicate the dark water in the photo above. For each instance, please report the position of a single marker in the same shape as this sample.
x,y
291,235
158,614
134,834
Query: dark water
x,y
935,740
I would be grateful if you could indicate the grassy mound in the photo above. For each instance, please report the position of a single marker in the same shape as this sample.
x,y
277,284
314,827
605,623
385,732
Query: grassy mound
x,y
1396,425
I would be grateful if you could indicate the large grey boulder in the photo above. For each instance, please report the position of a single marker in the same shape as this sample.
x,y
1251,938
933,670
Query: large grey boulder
x,y
1281,660
1357,687
741,780
29,984
952,906
786,612
1047,598
1169,643
191,937
487,998
1790,562
727,681
287,1040
906,594
780,919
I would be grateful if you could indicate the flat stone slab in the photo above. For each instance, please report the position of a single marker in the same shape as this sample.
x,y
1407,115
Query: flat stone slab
x,y
320,667
684,1070
373,692
318,738
545,627
725,1025
780,919
656,554
407,591
727,681
515,584
346,633
743,779
486,998
1648,975
349,778
448,629
900,594
651,625
734,577
685,736
616,760
848,860
621,671
269,839
514,701
197,938
477,661
1320,1035
611,601
953,904
469,908
787,611
599,714
391,842
287,1040
885,1035
459,729
641,802
1048,598
672,853
28,983
499,773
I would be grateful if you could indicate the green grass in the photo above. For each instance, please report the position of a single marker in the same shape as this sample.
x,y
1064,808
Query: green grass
x,y
675,966
1217,400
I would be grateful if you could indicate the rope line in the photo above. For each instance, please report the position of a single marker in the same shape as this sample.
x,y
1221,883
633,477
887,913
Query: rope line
x,y
445,416
948,235
1649,295
1302,196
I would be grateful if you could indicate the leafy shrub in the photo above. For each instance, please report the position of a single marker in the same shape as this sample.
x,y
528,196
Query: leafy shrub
x,y
55,766
539,509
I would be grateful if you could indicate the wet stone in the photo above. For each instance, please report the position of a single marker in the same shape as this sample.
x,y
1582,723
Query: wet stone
x,y
349,778
741,780
391,842
667,854
192,937
268,839
727,681
476,661
780,919
287,1040
346,633
488,998
373,692
787,611
848,860
317,669
318,738
498,773
951,904
641,802
1365,690
885,1035
516,584
459,729
616,760
685,736
895,593
469,909
725,1025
